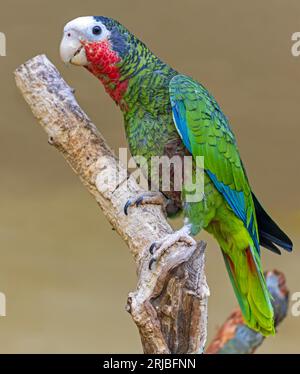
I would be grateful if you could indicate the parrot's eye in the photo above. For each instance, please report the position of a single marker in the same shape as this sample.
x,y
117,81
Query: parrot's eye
x,y
96,30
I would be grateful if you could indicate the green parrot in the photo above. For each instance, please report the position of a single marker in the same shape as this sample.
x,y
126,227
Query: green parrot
x,y
168,113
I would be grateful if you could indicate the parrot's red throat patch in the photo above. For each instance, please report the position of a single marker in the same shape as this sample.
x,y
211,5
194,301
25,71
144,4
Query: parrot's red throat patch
x,y
103,62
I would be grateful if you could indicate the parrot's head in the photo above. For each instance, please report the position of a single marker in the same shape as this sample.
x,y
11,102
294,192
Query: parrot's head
x,y
101,45
93,40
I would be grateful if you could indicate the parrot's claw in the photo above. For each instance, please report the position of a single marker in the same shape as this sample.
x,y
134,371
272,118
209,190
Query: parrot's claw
x,y
155,198
126,206
151,262
157,249
152,248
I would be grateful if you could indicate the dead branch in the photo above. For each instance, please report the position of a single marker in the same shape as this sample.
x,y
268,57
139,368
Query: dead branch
x,y
169,305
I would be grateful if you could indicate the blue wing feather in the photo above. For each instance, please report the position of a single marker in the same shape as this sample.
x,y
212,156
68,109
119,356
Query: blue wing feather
x,y
179,119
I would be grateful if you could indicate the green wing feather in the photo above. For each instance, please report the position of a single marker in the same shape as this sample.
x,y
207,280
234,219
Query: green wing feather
x,y
205,131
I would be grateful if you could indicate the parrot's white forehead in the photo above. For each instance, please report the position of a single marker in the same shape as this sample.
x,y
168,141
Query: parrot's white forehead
x,y
83,26
81,23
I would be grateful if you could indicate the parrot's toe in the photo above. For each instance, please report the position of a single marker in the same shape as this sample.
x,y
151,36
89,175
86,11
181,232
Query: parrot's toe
x,y
157,249
155,198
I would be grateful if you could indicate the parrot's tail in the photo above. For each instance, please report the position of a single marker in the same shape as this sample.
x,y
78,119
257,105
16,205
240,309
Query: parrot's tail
x,y
251,290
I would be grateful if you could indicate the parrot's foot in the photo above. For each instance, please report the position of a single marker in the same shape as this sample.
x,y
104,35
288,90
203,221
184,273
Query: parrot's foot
x,y
157,249
155,198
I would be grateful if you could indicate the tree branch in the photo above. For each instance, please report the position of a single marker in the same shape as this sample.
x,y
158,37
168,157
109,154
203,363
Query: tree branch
x,y
169,305
235,337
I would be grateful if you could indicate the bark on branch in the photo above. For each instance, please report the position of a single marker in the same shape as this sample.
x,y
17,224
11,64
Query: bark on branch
x,y
169,305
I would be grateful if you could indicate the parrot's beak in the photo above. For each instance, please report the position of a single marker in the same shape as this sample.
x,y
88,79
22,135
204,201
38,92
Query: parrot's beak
x,y
72,50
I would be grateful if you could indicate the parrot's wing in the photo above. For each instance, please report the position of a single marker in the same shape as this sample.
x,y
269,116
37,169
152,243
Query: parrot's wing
x,y
205,132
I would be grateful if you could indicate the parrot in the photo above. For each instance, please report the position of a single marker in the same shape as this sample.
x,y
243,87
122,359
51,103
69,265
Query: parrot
x,y
169,113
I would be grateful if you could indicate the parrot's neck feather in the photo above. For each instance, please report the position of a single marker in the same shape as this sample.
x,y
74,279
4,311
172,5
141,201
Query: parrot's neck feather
x,y
132,80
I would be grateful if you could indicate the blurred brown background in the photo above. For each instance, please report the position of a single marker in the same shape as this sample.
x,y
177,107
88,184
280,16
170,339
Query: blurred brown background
x,y
65,273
